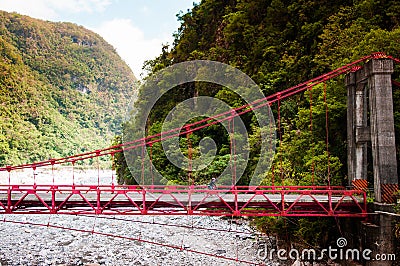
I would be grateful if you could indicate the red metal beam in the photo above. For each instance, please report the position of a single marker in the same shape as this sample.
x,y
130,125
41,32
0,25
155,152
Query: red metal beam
x,y
225,116
232,201
181,200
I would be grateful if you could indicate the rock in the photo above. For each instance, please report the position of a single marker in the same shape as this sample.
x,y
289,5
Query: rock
x,y
220,251
34,245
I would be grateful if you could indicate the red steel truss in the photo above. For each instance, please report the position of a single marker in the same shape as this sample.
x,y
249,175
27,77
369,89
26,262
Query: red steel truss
x,y
209,121
182,200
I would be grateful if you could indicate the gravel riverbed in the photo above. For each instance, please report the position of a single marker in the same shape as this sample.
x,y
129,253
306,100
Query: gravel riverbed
x,y
27,244
114,240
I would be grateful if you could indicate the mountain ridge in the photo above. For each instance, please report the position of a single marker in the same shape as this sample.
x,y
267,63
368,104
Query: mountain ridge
x,y
62,89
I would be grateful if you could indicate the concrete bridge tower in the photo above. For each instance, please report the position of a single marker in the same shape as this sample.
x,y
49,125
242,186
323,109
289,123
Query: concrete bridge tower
x,y
370,123
370,128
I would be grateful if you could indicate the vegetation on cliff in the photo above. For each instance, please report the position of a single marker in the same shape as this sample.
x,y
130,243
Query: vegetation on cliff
x,y
63,89
280,43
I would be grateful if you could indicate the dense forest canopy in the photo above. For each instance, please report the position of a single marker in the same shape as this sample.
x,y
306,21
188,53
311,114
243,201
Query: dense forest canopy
x,y
278,43
62,89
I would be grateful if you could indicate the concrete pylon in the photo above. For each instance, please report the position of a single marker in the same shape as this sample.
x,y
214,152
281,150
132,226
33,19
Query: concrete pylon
x,y
370,120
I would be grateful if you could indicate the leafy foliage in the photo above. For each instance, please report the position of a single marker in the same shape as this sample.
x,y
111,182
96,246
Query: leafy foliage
x,y
280,43
62,89
299,232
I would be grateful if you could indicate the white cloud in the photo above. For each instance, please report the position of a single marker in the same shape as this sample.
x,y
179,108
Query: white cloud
x,y
130,42
77,6
50,9
37,9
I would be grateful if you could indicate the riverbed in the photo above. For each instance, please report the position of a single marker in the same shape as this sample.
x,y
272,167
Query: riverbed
x,y
27,244
119,240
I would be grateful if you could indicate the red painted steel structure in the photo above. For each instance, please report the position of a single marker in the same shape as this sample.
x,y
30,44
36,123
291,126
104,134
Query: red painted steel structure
x,y
182,200
193,200
189,128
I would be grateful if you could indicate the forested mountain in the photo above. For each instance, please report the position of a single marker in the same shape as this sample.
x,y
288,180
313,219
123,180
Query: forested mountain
x,y
278,43
63,89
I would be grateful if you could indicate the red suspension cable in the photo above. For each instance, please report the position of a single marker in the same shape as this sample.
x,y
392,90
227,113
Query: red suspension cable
x,y
151,164
205,122
312,138
280,141
73,174
189,146
112,168
327,134
143,152
231,126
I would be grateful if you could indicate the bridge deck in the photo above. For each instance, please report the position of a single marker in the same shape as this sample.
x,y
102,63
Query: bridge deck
x,y
179,200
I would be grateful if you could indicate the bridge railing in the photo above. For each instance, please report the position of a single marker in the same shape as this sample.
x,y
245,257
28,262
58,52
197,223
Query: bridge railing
x,y
197,200
182,200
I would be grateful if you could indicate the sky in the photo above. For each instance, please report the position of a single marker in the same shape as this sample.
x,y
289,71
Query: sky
x,y
136,28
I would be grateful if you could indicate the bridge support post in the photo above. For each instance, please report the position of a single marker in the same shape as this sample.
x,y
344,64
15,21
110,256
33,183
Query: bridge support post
x,y
382,128
351,84
369,91
374,235
357,126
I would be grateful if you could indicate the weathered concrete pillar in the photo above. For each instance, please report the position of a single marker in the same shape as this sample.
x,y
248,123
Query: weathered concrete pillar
x,y
361,125
382,127
357,125
369,92
351,145
370,120
377,235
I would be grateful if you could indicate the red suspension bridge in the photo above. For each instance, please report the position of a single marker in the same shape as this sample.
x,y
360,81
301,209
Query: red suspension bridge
x,y
112,199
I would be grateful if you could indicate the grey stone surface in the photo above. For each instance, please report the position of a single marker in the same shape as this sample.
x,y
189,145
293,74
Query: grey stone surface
x,y
40,245
36,245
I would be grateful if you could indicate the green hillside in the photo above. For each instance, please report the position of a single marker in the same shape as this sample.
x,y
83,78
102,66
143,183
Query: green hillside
x,y
63,89
278,43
